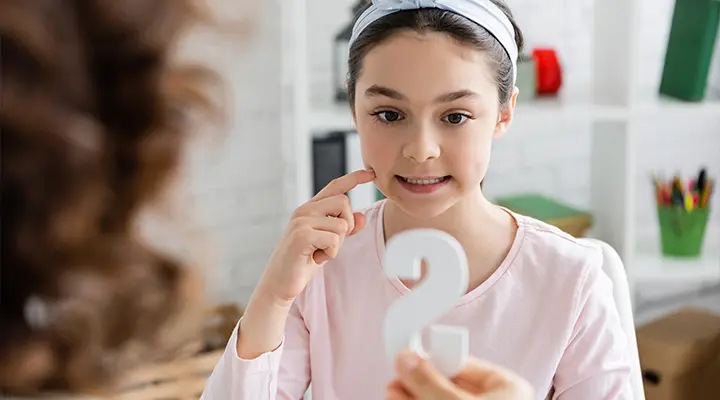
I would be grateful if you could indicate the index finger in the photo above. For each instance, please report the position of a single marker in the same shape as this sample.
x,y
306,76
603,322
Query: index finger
x,y
345,183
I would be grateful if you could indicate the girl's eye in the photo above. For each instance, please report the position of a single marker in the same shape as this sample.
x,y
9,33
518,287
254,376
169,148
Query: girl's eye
x,y
388,116
455,118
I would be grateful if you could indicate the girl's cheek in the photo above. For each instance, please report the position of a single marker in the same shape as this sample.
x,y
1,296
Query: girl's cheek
x,y
372,152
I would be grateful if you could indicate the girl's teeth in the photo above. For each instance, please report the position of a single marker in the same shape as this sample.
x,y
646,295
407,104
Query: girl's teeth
x,y
423,181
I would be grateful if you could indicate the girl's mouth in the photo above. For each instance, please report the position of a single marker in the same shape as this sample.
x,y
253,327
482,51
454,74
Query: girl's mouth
x,y
423,184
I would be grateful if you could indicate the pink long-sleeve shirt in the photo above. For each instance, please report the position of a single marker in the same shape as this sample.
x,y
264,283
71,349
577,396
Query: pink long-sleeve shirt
x,y
547,313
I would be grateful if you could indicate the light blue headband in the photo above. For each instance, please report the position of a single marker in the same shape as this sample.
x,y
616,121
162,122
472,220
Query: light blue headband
x,y
482,12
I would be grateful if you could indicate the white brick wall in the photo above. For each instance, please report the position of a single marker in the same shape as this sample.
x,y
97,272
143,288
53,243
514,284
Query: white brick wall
x,y
238,179
243,183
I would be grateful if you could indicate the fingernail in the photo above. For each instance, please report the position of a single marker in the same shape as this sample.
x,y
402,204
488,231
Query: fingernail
x,y
407,361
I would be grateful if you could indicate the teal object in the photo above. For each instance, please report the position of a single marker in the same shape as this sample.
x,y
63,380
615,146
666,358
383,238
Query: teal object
x,y
690,49
378,194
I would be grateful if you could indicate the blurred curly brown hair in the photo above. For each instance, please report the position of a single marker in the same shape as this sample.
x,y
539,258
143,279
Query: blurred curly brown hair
x,y
92,132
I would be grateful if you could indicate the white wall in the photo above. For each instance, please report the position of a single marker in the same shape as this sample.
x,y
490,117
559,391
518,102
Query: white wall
x,y
244,189
240,177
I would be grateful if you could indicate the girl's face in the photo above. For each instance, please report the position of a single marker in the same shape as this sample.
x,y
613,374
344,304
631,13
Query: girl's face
x,y
426,109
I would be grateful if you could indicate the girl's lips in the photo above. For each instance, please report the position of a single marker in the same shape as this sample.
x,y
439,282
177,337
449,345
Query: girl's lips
x,y
423,185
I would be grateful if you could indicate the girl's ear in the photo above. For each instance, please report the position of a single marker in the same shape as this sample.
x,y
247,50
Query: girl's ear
x,y
506,115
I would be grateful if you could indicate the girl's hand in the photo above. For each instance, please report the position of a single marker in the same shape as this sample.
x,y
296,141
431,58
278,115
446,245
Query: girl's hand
x,y
314,235
418,379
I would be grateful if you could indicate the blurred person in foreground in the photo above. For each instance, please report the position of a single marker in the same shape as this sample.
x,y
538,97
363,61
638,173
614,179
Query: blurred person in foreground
x,y
94,125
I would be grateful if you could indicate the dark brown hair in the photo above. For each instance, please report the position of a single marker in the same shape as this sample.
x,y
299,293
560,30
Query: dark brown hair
x,y
434,20
93,128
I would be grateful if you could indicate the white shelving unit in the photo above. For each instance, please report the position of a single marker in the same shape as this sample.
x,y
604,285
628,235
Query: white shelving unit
x,y
613,106
614,151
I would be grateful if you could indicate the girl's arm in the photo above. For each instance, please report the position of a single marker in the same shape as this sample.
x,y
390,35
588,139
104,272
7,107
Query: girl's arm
x,y
280,372
596,362
263,324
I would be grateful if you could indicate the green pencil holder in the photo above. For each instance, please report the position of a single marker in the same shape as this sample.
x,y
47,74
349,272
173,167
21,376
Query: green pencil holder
x,y
682,232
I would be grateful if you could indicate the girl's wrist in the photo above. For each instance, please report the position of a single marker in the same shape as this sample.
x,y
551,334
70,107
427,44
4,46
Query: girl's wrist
x,y
263,324
265,295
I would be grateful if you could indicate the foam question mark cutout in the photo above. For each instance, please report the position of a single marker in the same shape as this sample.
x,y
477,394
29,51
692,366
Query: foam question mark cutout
x,y
446,281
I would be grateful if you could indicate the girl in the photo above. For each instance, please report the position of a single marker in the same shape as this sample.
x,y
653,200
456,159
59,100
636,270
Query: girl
x,y
431,84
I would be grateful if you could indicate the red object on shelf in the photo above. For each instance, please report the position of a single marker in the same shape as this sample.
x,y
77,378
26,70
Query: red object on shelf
x,y
549,72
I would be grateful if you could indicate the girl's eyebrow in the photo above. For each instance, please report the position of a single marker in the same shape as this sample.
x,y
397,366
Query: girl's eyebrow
x,y
452,96
377,90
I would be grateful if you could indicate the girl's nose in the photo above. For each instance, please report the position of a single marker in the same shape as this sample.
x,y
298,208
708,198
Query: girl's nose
x,y
422,146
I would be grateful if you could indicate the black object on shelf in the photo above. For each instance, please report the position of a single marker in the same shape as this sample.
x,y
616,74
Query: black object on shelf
x,y
341,51
334,155
329,159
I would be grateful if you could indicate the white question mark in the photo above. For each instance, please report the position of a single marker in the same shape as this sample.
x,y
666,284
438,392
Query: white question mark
x,y
445,283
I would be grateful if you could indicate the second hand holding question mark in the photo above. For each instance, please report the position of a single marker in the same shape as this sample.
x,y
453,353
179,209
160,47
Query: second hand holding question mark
x,y
445,283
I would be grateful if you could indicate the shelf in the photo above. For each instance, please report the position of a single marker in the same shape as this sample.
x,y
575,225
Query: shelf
x,y
652,267
649,103
568,104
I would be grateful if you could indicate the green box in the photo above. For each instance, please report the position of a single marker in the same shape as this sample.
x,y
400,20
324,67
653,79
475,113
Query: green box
x,y
574,221
690,49
682,232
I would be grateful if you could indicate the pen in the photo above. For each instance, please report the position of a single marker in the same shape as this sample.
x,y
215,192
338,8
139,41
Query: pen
x,y
676,196
658,190
687,194
705,194
701,180
688,202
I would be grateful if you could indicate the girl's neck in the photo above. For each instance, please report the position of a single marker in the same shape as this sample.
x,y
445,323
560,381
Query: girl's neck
x,y
485,231
468,220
